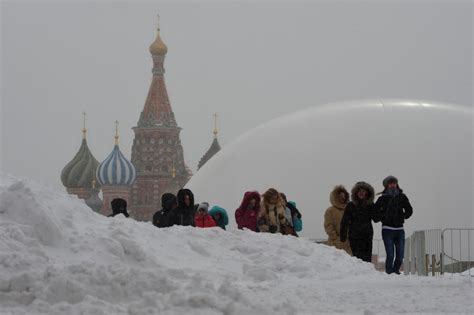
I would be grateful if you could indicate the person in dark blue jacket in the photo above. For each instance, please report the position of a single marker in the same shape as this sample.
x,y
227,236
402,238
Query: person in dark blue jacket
x,y
393,208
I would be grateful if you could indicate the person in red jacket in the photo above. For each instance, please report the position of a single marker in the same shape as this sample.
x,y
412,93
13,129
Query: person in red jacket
x,y
246,214
202,219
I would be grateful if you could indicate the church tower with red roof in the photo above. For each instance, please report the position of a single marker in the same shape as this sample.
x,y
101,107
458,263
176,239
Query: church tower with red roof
x,y
157,153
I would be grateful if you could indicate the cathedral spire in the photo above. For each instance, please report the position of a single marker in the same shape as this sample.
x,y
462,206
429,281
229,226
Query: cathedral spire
x,y
84,130
116,133
215,132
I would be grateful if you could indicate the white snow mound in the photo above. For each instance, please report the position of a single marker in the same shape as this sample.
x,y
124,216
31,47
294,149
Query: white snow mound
x,y
59,257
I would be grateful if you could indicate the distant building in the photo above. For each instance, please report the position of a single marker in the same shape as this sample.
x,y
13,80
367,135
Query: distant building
x,y
78,176
213,149
116,175
157,163
157,153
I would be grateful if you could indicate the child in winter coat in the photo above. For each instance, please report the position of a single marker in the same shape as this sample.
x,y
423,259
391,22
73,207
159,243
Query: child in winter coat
x,y
202,219
393,208
293,215
246,214
220,216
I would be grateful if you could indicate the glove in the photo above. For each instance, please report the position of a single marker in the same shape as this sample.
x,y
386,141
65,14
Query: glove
x,y
273,228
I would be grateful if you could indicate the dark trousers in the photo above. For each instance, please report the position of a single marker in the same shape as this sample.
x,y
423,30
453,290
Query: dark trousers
x,y
361,248
394,241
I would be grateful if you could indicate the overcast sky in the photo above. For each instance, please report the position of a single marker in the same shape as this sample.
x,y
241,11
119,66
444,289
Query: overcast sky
x,y
249,62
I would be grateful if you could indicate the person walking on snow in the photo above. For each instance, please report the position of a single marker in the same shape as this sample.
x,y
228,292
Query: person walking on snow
x,y
202,219
339,197
393,207
357,221
220,216
246,214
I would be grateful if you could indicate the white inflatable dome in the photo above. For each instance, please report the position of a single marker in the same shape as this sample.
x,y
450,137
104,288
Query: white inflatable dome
x,y
427,145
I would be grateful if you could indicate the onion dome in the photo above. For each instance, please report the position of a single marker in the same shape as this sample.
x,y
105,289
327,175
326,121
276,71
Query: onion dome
x,y
80,171
213,149
116,169
158,47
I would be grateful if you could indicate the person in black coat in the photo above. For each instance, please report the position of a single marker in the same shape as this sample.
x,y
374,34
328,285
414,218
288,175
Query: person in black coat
x,y
184,213
356,222
164,217
393,207
119,206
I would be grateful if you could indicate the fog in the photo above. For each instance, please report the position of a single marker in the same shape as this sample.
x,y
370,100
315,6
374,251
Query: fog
x,y
249,62
422,143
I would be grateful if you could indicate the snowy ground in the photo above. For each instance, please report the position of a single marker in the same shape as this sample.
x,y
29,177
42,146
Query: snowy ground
x,y
58,257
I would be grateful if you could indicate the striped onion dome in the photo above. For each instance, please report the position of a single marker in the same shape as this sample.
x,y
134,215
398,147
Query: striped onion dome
x,y
116,169
80,172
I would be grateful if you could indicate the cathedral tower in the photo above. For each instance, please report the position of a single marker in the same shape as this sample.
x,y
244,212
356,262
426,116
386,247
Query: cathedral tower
x,y
157,153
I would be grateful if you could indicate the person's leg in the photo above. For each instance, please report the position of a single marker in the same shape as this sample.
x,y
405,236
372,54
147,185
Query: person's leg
x,y
355,247
368,250
389,249
399,250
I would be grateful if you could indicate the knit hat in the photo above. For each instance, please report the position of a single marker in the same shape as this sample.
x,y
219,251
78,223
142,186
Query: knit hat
x,y
388,180
203,205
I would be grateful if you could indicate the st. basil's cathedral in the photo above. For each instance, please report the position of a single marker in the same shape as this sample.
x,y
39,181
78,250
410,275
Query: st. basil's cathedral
x,y
157,163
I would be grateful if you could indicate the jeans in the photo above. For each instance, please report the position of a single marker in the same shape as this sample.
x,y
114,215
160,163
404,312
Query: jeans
x,y
394,241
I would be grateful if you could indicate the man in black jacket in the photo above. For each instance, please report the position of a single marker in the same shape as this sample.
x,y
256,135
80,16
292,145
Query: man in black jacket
x,y
393,208
164,217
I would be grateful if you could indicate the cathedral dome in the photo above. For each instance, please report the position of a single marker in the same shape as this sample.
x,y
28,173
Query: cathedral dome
x,y
116,169
158,47
80,171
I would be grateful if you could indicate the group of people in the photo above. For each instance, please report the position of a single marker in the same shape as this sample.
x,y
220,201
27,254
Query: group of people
x,y
348,222
270,212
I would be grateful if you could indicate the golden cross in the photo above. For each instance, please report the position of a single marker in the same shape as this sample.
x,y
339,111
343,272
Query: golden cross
x,y
84,130
215,125
116,132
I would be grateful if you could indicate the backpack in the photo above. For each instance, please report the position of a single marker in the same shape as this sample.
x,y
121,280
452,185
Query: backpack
x,y
297,224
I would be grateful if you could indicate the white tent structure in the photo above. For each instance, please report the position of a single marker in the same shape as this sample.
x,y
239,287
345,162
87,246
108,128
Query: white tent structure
x,y
427,145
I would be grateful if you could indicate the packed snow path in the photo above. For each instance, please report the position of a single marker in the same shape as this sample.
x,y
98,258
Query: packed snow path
x,y
59,257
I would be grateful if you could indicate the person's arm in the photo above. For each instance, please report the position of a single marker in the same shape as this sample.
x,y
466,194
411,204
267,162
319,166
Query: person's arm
x,y
346,219
238,218
378,210
329,226
408,209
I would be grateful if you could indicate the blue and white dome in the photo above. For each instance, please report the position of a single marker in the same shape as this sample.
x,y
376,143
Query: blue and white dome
x,y
116,170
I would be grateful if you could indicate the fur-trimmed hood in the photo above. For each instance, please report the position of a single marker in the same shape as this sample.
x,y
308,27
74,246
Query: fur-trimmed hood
x,y
366,186
334,197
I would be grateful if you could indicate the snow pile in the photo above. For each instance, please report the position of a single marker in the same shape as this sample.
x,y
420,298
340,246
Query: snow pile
x,y
59,257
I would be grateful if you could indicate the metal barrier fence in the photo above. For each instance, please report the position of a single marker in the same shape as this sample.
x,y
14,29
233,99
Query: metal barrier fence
x,y
434,252
458,255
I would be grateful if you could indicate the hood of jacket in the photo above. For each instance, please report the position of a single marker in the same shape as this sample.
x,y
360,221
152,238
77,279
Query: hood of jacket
x,y
368,188
334,197
181,194
119,205
224,218
249,195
